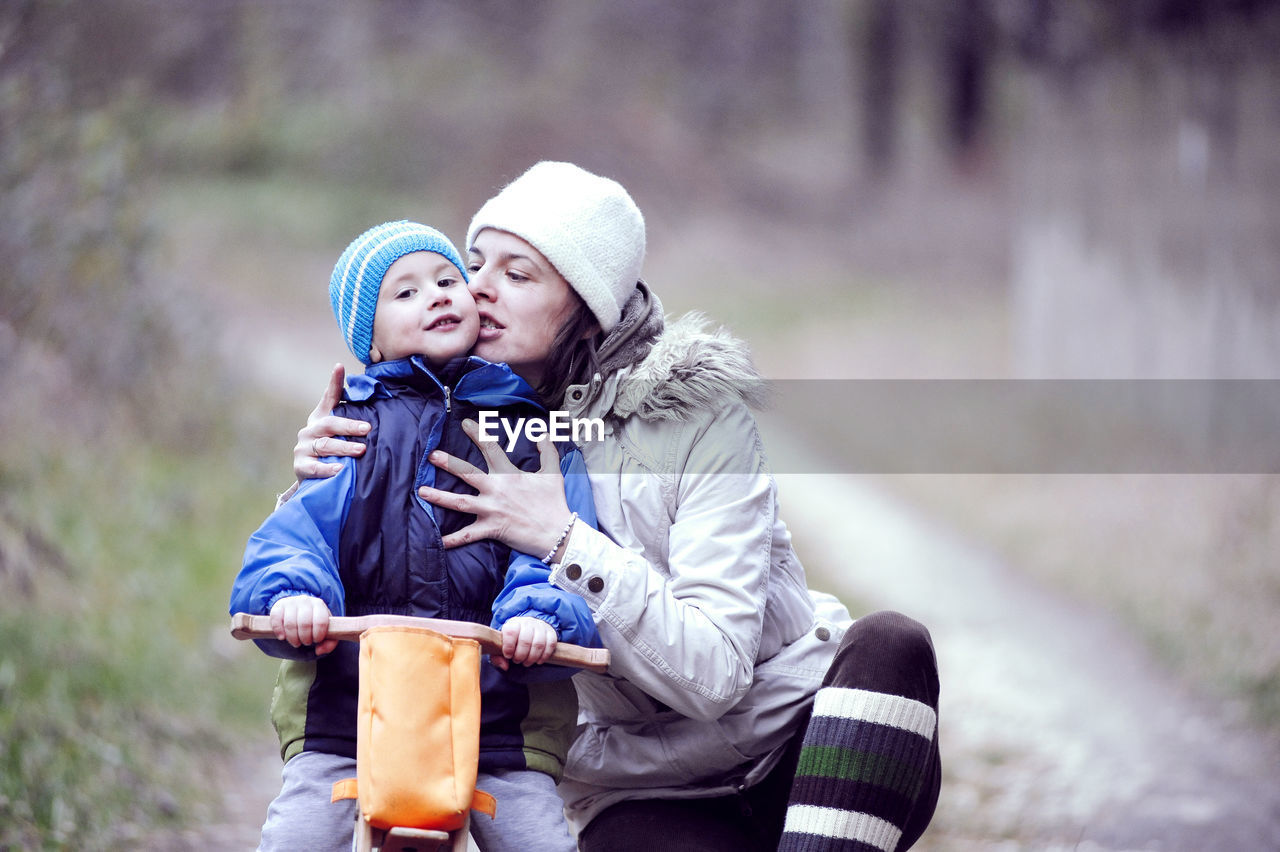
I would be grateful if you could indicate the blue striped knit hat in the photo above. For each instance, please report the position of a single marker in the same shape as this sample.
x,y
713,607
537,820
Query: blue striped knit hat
x,y
357,277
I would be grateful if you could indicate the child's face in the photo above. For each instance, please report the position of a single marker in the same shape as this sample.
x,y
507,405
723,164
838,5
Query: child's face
x,y
424,308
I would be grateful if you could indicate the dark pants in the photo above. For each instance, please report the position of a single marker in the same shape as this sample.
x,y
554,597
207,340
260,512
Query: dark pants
x,y
881,652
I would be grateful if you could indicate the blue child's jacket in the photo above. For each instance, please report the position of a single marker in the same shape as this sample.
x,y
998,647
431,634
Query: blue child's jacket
x,y
364,542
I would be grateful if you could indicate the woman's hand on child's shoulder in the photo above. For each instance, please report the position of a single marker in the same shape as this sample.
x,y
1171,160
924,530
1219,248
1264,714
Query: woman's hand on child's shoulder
x,y
314,439
526,640
303,620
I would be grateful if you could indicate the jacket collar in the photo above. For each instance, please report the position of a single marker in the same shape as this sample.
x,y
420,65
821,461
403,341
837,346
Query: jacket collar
x,y
475,380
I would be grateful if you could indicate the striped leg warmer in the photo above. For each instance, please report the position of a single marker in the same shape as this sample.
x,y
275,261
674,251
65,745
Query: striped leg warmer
x,y
863,760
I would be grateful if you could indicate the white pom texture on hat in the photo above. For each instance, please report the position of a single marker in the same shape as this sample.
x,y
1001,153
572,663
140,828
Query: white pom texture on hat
x,y
587,226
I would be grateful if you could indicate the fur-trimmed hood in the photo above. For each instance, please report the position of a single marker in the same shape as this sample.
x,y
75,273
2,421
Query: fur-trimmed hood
x,y
692,367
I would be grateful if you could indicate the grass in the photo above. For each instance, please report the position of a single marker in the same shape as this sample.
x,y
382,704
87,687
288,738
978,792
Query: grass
x,y
116,685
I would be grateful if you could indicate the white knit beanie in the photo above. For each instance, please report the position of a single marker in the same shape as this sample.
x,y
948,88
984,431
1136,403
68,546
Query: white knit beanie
x,y
587,226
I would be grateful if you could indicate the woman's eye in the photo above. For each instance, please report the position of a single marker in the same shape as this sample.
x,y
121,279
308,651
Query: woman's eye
x,y
517,277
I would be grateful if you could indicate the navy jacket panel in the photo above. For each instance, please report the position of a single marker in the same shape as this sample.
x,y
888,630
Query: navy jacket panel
x,y
389,556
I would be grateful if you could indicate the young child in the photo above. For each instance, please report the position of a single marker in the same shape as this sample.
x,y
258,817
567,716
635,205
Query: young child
x,y
363,542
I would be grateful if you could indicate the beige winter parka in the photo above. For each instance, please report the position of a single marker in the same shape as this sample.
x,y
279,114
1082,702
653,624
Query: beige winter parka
x,y
717,644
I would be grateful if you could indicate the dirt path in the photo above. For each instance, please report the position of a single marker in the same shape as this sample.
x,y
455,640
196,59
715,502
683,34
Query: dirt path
x,y
249,779
1059,732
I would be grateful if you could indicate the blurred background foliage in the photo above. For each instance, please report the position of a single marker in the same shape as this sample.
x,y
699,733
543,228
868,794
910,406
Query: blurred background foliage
x,y
982,188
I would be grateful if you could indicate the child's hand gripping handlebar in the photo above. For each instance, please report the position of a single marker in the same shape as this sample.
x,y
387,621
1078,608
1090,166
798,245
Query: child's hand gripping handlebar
x,y
245,626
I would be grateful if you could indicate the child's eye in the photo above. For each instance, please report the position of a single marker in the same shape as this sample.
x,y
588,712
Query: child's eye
x,y
446,282
406,293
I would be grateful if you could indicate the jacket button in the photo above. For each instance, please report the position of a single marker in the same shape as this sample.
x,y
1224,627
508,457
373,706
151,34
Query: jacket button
x,y
595,584
574,571
822,633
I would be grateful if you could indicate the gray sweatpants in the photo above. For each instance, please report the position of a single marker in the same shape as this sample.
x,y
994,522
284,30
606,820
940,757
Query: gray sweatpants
x,y
530,813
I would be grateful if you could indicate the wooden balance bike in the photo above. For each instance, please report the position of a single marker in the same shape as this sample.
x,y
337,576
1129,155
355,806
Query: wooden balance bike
x,y
419,700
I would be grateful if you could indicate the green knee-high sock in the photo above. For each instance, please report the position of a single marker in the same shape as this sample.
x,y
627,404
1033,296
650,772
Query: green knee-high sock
x,y
862,761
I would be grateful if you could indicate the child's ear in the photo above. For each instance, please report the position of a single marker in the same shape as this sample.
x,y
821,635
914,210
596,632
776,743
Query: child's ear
x,y
374,355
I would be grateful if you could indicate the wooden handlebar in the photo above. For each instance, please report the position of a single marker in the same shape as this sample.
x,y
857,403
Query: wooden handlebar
x,y
349,628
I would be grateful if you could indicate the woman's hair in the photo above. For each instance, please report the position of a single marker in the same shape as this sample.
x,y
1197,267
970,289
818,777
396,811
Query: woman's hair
x,y
574,355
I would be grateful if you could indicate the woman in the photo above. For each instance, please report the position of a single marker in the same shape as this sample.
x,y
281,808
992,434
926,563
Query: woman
x,y
741,711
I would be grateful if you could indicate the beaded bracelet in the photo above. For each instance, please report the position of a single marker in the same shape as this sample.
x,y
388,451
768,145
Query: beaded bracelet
x,y
559,541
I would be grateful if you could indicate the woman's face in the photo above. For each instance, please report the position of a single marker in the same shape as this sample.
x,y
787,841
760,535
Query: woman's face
x,y
523,302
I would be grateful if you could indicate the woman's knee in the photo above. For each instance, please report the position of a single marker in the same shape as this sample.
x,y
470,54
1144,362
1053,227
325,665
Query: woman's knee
x,y
892,631
890,652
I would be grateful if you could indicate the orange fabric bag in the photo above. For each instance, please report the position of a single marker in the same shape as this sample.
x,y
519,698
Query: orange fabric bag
x,y
418,730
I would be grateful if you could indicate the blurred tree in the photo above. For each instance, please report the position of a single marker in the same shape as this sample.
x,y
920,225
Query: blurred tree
x,y
878,39
968,44
1148,240
75,294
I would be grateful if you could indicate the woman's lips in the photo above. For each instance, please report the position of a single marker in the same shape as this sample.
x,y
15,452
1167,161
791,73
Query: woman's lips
x,y
490,329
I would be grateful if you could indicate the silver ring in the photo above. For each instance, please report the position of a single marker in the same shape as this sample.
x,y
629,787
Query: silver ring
x,y
315,447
